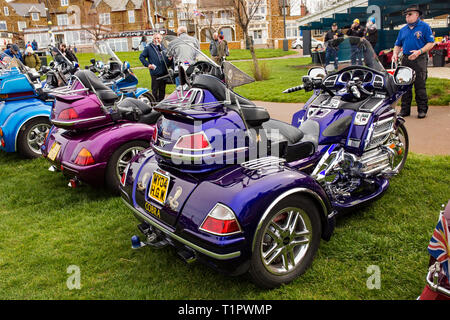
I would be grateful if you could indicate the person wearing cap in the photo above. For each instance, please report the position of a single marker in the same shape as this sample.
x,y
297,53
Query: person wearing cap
x,y
415,39
332,45
356,30
31,59
12,52
371,32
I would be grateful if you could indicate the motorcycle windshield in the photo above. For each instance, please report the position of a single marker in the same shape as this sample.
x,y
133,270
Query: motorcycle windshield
x,y
185,52
345,51
104,53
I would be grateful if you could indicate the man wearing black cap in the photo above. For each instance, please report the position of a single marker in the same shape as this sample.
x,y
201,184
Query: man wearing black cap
x,y
416,39
332,44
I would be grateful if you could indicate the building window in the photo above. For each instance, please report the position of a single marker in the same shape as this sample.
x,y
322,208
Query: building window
x,y
35,16
105,19
21,25
64,3
6,11
118,44
62,19
3,25
170,14
171,24
131,18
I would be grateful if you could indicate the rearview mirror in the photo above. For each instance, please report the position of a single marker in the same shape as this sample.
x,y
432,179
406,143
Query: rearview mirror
x,y
404,76
92,61
317,72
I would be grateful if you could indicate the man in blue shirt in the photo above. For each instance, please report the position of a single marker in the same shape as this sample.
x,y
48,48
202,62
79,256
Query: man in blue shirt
x,y
416,39
155,59
12,52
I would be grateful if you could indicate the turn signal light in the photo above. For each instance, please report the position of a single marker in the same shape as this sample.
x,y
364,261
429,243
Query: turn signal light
x,y
196,141
221,221
84,158
68,114
1,132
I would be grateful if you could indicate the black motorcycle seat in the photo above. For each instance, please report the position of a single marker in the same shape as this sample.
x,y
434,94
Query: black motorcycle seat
x,y
218,89
311,131
255,116
133,105
291,133
93,83
144,113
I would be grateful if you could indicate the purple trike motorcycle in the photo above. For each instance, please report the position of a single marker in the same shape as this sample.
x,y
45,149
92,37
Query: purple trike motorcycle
x,y
226,184
95,133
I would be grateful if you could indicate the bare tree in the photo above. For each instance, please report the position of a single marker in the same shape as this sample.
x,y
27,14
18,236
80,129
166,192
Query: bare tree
x,y
94,26
245,11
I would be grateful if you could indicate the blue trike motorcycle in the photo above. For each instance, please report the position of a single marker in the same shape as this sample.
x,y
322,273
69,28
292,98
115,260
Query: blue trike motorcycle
x,y
24,109
225,183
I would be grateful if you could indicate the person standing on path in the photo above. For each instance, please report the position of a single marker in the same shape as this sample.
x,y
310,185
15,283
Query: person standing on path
x,y
356,30
331,53
416,39
371,33
155,59
214,48
223,51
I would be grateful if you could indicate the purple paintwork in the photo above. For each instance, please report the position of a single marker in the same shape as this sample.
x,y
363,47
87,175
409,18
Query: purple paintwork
x,y
94,130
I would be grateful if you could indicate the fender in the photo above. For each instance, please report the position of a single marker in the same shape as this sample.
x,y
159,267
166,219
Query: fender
x,y
251,196
140,91
105,141
14,114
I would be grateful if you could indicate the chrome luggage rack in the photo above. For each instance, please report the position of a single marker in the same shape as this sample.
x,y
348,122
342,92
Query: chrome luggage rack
x,y
264,163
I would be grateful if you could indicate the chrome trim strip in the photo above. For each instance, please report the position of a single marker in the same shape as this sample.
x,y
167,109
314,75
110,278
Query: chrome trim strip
x,y
71,123
281,197
190,156
182,240
436,287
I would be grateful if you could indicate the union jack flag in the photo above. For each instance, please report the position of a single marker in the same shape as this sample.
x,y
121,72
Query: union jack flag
x,y
439,246
198,13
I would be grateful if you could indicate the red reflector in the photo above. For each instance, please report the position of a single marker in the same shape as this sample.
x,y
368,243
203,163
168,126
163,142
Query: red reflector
x,y
3,143
155,134
217,226
124,176
84,158
68,114
196,141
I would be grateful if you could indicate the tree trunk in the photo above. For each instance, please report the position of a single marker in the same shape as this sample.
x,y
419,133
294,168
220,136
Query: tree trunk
x,y
255,60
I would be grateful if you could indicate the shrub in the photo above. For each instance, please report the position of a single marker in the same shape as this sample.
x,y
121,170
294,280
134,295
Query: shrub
x,y
264,70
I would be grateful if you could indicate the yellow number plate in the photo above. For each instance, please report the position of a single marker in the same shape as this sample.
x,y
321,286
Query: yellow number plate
x,y
54,151
158,188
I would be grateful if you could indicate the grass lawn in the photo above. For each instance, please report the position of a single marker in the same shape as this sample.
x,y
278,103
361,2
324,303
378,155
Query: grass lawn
x,y
45,227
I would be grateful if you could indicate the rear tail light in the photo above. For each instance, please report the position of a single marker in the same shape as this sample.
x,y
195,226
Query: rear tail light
x,y
221,221
68,114
2,142
84,158
155,134
196,141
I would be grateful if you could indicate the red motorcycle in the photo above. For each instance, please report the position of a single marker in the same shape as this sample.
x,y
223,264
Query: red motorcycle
x,y
438,286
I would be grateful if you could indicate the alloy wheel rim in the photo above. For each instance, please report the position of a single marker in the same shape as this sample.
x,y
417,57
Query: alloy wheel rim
x,y
286,240
36,137
125,158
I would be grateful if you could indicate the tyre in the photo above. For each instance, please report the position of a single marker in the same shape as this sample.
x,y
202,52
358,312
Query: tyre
x,y
119,160
399,143
286,243
148,98
31,137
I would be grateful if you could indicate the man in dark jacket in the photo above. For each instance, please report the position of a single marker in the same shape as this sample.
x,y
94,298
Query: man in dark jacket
x,y
12,52
154,58
332,45
356,30
214,47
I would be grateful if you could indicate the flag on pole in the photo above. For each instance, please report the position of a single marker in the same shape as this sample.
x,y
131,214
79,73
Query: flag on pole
x,y
198,13
439,244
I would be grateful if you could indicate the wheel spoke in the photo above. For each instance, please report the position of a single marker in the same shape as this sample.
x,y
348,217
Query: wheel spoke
x,y
273,235
295,243
285,261
270,251
275,255
302,233
294,223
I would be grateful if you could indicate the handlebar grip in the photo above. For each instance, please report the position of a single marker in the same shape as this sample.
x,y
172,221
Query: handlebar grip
x,y
293,89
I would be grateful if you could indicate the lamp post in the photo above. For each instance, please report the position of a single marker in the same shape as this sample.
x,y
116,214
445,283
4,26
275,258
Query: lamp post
x,y
285,41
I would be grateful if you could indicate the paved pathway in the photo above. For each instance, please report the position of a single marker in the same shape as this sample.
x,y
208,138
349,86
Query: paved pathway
x,y
427,136
439,72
